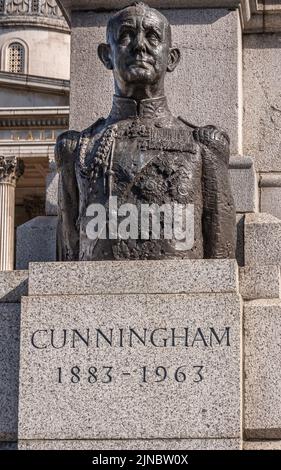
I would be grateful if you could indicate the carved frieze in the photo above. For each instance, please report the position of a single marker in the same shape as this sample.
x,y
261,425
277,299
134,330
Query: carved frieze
x,y
17,6
7,122
30,7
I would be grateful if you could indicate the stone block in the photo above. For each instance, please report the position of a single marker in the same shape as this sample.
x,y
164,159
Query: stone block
x,y
243,179
13,285
36,241
131,444
262,99
9,366
262,445
271,194
260,282
262,400
207,81
262,239
51,206
114,277
113,369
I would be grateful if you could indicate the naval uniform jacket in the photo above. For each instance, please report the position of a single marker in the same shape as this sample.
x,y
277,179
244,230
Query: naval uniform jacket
x,y
142,154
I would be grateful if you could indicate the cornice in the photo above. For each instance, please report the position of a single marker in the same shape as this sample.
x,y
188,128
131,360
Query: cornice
x,y
8,123
257,16
37,22
34,117
32,82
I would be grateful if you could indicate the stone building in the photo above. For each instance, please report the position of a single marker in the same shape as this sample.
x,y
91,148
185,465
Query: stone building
x,y
34,98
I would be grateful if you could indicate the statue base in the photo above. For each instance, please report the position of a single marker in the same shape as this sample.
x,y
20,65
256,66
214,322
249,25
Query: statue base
x,y
131,355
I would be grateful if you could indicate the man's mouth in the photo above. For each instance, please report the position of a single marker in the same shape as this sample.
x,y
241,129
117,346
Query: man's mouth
x,y
141,60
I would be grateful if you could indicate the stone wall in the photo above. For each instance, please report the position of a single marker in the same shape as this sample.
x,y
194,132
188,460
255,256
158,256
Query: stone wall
x,y
204,89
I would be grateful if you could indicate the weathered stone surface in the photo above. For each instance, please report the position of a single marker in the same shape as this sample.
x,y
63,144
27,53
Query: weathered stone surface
x,y
260,282
262,445
262,99
113,277
129,407
262,323
9,366
262,239
36,241
210,90
270,184
51,205
243,179
13,285
152,444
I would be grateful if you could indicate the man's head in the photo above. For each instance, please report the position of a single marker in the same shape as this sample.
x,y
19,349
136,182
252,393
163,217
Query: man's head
x,y
138,48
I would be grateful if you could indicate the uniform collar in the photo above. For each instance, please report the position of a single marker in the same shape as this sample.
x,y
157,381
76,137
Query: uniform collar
x,y
126,108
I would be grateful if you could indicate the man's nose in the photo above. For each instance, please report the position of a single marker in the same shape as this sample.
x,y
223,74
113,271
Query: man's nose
x,y
140,42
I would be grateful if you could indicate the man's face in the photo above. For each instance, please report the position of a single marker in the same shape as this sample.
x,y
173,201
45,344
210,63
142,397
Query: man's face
x,y
139,45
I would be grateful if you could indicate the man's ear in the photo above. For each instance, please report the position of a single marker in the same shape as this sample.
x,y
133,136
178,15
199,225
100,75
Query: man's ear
x,y
174,58
104,54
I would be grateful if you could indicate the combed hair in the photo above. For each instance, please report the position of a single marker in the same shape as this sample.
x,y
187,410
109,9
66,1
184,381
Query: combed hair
x,y
141,6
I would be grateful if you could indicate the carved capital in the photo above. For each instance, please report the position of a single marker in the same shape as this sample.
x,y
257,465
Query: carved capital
x,y
11,169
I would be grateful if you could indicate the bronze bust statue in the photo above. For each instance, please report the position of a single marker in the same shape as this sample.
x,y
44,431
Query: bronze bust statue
x,y
142,154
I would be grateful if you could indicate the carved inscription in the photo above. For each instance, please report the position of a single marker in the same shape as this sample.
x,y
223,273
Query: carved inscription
x,y
102,338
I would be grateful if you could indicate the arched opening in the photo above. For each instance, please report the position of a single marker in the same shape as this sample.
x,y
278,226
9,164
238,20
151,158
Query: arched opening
x,y
16,58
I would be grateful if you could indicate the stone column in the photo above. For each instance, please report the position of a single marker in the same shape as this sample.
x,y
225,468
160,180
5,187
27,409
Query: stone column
x,y
10,170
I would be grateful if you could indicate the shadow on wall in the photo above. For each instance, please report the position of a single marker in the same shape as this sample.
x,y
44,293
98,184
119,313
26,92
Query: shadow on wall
x,y
9,364
13,285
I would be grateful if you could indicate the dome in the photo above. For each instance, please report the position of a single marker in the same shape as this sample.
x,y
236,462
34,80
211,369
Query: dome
x,y
32,12
34,39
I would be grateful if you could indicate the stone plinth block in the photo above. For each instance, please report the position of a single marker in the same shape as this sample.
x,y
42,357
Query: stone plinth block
x,y
271,193
131,444
52,181
244,185
260,282
130,365
9,366
262,445
113,277
262,239
13,285
36,241
262,322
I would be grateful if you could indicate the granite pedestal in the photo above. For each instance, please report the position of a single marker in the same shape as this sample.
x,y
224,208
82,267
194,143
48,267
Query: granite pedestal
x,y
131,352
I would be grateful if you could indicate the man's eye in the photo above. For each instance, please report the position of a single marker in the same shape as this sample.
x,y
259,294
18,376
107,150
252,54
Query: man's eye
x,y
151,36
124,36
